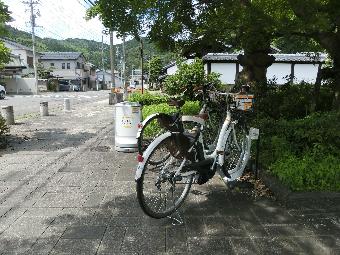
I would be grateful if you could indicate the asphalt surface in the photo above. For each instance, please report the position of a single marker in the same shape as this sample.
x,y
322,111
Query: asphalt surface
x,y
65,190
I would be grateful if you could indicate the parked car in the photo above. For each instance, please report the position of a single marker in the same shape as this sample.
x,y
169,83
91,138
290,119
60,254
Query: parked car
x,y
2,91
64,87
74,87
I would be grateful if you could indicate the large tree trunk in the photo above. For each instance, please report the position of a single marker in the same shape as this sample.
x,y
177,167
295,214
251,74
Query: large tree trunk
x,y
254,70
336,101
316,90
331,42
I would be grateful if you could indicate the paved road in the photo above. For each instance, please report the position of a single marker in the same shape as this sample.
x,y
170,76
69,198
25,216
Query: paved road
x,y
29,104
64,190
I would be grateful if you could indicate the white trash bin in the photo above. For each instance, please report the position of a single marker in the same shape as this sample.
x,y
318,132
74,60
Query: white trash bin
x,y
128,118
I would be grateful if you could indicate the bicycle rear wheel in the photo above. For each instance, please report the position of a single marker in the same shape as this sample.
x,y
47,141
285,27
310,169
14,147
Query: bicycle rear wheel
x,y
159,192
154,126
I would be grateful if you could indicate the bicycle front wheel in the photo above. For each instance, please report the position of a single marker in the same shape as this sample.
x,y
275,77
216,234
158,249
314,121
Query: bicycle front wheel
x,y
236,152
159,191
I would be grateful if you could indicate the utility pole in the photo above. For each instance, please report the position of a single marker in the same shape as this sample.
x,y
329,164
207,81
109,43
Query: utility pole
x,y
33,16
112,61
125,95
142,62
103,63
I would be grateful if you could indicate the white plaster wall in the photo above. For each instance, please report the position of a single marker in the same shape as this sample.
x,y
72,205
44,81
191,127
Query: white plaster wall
x,y
171,70
227,71
279,71
305,72
20,85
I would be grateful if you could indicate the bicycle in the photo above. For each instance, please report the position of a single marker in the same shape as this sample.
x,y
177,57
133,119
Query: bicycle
x,y
176,158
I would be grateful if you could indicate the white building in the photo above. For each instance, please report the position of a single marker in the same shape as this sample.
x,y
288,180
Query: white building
x,y
22,55
303,67
108,79
69,66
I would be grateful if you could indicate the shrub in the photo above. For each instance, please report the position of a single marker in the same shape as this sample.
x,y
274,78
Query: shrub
x,y
292,101
188,77
147,98
189,108
52,85
303,153
313,171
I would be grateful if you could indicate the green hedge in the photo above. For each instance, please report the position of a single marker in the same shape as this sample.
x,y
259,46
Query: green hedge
x,y
147,98
189,108
303,153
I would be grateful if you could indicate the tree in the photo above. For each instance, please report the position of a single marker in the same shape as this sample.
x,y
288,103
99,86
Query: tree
x,y
44,73
155,68
5,56
199,27
320,21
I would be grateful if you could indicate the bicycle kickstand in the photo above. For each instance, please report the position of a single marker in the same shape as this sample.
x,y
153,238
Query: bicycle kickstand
x,y
176,218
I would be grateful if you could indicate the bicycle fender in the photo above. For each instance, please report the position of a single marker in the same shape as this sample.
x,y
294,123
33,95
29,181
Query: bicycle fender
x,y
145,122
147,153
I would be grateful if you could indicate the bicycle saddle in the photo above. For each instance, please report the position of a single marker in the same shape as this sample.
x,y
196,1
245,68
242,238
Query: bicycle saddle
x,y
174,102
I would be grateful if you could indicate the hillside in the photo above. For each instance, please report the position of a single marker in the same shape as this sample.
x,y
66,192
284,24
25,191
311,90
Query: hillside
x,y
92,49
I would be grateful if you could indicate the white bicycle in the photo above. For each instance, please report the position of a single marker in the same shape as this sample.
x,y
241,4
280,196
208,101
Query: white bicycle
x,y
176,159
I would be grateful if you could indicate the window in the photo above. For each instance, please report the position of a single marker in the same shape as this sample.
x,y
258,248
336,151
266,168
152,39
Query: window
x,y
51,64
63,66
78,65
68,66
30,61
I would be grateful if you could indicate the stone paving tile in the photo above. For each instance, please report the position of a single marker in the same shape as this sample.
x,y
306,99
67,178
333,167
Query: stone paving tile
x,y
112,241
15,245
278,245
176,239
243,246
75,246
84,232
46,241
145,240
210,245
74,217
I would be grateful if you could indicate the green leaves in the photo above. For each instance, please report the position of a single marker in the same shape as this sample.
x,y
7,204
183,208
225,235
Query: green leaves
x,y
188,77
4,17
303,153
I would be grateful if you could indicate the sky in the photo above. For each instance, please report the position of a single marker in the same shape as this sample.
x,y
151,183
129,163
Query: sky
x,y
59,19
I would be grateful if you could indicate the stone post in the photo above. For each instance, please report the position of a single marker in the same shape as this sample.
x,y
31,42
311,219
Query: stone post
x,y
7,113
67,105
43,109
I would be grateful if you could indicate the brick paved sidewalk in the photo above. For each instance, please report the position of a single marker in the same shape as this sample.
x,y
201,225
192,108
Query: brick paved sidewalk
x,y
64,190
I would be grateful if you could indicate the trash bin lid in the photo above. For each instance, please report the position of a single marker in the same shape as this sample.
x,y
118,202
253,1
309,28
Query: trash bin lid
x,y
126,103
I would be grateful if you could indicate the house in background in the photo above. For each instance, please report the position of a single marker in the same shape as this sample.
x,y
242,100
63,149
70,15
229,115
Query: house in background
x,y
68,66
22,54
303,67
107,79
91,74
14,68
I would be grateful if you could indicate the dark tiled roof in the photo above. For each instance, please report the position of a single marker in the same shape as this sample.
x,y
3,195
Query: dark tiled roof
x,y
17,45
60,55
303,57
